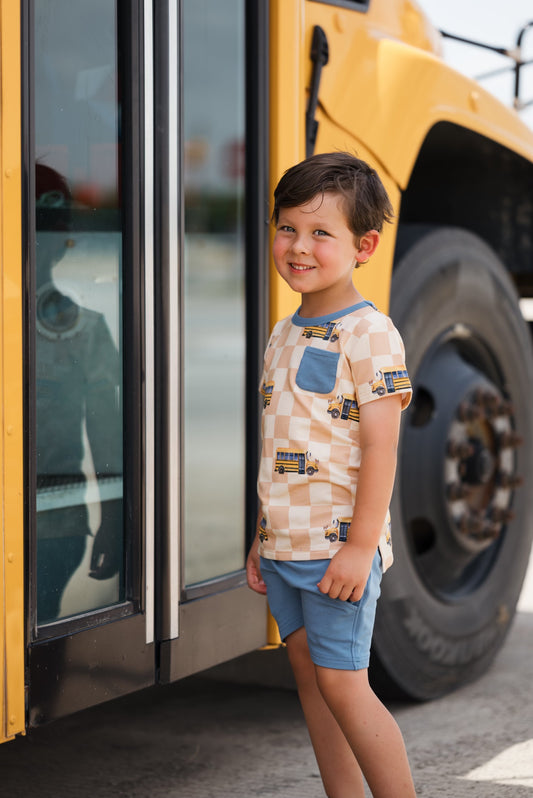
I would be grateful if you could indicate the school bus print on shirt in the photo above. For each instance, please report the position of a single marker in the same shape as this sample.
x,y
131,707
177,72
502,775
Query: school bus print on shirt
x,y
328,332
262,530
338,530
266,392
295,462
344,407
391,379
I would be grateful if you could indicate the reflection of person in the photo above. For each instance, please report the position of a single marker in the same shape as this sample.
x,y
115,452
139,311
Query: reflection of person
x,y
78,377
323,590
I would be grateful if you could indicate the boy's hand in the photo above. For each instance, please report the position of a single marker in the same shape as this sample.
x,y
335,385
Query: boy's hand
x,y
253,571
347,573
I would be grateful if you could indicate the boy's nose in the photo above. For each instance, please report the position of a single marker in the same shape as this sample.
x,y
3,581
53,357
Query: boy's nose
x,y
300,244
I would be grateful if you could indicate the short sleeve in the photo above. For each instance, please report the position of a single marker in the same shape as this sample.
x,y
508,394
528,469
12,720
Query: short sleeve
x,y
377,360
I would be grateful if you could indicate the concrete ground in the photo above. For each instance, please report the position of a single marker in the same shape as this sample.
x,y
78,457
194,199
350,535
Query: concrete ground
x,y
202,738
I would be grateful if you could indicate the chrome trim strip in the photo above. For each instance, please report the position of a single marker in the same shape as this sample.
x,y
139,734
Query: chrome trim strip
x,y
149,420
174,386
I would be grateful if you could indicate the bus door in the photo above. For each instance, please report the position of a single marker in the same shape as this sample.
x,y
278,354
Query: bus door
x,y
88,351
213,225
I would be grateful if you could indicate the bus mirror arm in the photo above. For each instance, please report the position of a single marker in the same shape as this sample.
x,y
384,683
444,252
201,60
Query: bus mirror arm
x,y
319,57
515,55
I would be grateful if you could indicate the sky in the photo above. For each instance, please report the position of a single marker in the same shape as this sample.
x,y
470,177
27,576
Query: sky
x,y
491,22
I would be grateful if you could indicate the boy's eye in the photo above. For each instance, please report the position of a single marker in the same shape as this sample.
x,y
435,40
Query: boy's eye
x,y
286,228
320,233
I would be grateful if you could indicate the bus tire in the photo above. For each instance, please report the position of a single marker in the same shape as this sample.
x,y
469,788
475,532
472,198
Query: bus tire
x,y
461,521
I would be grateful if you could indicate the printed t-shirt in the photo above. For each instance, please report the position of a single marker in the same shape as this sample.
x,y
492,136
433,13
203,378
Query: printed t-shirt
x,y
317,373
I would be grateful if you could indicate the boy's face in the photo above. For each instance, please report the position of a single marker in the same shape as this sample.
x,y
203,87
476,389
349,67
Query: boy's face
x,y
315,251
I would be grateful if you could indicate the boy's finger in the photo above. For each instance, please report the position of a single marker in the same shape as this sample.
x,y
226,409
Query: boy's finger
x,y
356,594
346,593
255,582
335,590
324,584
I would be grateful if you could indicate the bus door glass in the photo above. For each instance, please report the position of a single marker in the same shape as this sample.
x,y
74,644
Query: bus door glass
x,y
214,300
78,309
211,312
88,634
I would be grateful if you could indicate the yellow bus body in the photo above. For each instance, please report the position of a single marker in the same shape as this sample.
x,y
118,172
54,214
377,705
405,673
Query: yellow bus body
x,y
12,574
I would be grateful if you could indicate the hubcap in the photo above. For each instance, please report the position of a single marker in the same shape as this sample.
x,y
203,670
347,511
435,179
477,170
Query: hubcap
x,y
458,470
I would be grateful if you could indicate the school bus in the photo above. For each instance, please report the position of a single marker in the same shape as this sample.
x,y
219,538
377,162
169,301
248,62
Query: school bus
x,y
139,146
390,380
344,407
327,332
338,529
292,461
266,393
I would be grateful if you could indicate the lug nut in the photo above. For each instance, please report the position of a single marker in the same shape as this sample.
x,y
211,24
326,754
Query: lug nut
x,y
491,400
468,412
471,523
456,491
505,408
509,440
500,515
487,531
459,450
505,480
490,531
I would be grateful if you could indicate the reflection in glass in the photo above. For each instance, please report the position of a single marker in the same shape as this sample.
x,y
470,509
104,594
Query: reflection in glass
x,y
214,127
78,360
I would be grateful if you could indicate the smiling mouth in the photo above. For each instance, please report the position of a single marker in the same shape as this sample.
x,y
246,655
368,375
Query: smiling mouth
x,y
298,267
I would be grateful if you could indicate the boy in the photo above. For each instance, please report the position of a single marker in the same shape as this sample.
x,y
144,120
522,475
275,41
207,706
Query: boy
x,y
330,430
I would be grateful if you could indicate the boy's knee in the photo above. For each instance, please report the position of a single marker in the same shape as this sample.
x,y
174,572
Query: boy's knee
x,y
333,682
299,656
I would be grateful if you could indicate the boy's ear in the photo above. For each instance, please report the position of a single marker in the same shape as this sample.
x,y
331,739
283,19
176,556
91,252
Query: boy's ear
x,y
367,245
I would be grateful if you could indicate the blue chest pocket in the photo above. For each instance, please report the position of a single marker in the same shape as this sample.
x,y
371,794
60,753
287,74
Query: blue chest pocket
x,y
317,371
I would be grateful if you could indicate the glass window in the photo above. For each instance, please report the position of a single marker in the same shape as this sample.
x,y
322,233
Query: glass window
x,y
78,307
214,322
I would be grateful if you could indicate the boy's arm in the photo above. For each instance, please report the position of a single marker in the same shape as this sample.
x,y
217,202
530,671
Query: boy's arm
x,y
253,571
349,569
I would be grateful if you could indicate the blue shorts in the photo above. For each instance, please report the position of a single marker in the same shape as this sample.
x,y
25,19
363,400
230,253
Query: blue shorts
x,y
339,633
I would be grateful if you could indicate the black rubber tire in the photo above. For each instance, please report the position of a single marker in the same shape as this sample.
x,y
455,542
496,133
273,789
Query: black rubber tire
x,y
451,293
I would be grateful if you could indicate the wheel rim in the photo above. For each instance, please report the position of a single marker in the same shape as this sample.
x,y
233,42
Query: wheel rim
x,y
458,471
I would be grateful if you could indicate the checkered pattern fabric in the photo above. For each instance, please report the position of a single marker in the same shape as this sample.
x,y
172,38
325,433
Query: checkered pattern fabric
x,y
317,372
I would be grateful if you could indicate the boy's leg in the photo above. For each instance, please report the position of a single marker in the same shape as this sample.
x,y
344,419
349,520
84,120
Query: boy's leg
x,y
338,767
370,730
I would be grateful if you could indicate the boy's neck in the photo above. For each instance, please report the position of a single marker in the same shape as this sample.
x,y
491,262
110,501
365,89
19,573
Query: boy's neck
x,y
314,306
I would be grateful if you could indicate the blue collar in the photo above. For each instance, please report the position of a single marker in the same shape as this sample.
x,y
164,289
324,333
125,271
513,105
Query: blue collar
x,y
319,320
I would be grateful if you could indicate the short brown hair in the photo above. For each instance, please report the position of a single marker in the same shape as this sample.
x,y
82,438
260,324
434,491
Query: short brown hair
x,y
366,203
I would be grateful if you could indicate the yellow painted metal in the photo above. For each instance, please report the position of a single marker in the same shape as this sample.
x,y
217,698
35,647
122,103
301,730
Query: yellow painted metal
x,y
273,636
11,439
386,84
288,71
